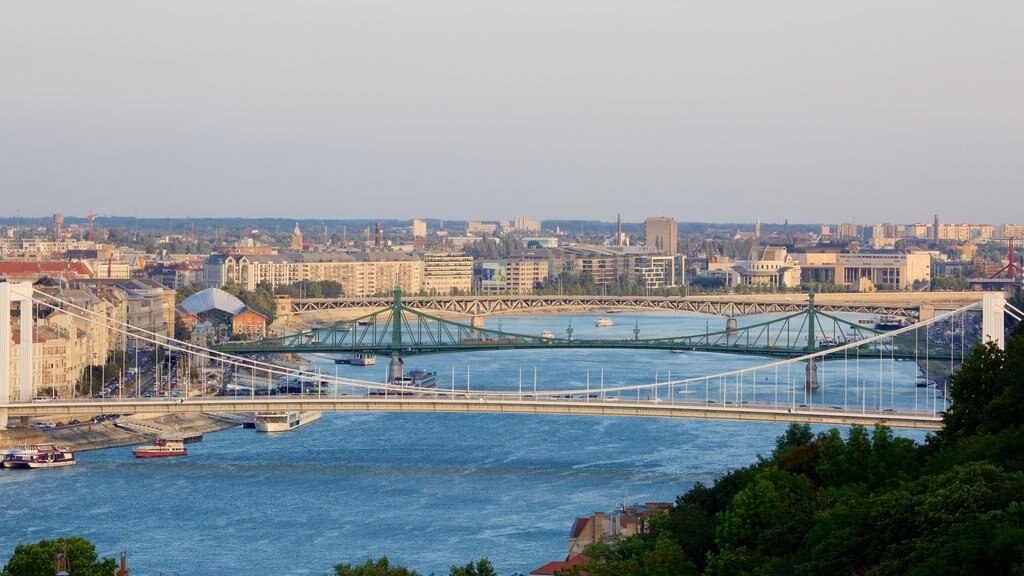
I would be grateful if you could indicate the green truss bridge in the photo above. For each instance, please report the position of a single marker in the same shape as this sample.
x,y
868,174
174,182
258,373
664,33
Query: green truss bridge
x,y
399,330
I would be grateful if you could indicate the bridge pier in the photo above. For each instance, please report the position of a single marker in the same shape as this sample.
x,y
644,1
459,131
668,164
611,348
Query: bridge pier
x,y
812,375
732,325
396,369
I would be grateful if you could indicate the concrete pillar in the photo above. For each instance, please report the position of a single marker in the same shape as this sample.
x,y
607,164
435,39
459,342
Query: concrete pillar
x,y
20,292
993,323
732,325
5,350
812,375
477,321
396,368
925,312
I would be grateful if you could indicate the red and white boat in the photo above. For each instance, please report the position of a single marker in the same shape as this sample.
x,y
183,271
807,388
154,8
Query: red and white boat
x,y
162,448
40,456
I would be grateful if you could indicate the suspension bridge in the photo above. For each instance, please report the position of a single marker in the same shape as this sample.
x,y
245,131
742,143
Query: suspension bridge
x,y
850,381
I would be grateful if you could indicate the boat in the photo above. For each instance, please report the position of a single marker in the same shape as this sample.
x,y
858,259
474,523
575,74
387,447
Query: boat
x,y
887,323
547,334
361,359
284,421
162,448
343,328
604,322
40,456
416,379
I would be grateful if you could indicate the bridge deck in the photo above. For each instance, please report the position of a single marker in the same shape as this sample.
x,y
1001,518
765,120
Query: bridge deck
x,y
489,404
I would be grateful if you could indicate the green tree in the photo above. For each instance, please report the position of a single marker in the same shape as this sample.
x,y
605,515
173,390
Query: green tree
x,y
39,558
381,567
482,567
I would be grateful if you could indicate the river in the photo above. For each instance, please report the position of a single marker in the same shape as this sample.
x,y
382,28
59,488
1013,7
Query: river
x,y
427,490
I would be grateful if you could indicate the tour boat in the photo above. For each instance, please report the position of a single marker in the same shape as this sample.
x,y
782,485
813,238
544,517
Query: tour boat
x,y
361,359
604,322
40,456
162,448
886,323
416,379
283,421
547,334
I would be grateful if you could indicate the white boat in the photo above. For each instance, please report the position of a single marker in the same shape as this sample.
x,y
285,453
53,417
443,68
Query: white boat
x,y
162,448
547,334
40,456
604,322
284,421
416,379
361,359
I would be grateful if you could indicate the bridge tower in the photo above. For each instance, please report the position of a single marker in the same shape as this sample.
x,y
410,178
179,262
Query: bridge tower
x,y
396,367
993,311
21,293
812,346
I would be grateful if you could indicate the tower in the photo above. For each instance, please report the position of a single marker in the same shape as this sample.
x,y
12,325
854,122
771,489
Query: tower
x,y
58,226
296,238
757,227
662,233
935,230
378,236
618,229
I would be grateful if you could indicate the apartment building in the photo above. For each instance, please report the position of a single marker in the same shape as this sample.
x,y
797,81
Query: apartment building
x,y
445,272
362,274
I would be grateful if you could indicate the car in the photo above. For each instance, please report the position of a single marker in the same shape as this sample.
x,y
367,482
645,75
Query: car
x,y
41,399
73,422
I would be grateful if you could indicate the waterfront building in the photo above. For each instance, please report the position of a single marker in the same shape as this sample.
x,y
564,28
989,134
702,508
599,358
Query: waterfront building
x,y
447,272
513,276
662,234
646,265
360,274
767,266
897,269
627,520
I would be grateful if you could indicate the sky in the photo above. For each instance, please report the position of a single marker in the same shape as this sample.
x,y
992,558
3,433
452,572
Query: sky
x,y
866,111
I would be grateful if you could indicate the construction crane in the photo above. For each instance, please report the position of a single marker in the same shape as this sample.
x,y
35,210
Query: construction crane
x,y
90,217
1011,267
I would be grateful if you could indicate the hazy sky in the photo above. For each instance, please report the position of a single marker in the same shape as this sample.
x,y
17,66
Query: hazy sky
x,y
816,111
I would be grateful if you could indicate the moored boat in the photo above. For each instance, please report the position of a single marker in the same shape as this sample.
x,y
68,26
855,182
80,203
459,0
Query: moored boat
x,y
162,448
284,421
547,334
604,322
40,456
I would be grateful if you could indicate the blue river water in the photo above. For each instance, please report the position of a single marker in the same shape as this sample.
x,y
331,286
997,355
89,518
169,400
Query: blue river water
x,y
427,490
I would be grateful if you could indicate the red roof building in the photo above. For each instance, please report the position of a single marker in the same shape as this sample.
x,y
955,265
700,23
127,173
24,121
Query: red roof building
x,y
34,270
553,568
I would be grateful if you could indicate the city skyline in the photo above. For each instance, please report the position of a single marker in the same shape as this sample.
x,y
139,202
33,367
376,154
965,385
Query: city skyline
x,y
702,112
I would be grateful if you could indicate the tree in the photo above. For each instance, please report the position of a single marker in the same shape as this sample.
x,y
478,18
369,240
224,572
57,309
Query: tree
x,y
381,567
38,559
481,568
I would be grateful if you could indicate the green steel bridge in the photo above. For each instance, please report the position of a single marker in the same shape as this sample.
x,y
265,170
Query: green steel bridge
x,y
399,330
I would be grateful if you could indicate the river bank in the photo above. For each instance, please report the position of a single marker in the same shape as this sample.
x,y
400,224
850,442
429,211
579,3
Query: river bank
x,y
100,435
